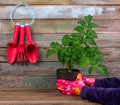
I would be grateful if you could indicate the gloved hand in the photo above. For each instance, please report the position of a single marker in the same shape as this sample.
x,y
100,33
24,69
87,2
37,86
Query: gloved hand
x,y
69,87
86,80
74,88
89,81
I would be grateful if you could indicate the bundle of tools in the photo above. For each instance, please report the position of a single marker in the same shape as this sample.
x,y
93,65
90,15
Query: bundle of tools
x,y
18,51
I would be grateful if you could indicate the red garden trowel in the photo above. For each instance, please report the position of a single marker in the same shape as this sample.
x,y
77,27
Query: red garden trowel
x,y
31,47
13,46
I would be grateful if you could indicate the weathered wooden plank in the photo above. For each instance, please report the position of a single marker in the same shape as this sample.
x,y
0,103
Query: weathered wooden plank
x,y
111,54
43,40
38,97
62,26
11,81
27,81
42,26
63,12
39,69
34,81
47,69
58,2
42,76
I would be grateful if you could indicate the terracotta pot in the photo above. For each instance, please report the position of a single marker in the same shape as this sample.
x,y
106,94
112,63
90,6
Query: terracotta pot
x,y
71,76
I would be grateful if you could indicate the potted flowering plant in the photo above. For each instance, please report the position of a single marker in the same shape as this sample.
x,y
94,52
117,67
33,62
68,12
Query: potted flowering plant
x,y
78,48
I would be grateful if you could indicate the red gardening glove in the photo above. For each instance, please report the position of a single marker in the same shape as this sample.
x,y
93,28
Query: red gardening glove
x,y
89,81
69,87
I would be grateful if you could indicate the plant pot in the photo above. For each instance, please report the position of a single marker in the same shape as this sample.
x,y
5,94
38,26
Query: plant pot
x,y
71,76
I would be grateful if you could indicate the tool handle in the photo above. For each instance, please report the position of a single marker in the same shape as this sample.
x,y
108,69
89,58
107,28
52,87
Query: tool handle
x,y
16,33
22,31
28,32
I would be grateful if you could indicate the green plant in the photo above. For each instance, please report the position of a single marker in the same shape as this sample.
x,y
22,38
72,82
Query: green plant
x,y
80,48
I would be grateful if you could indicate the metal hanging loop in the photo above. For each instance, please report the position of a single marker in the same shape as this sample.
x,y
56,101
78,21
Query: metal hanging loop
x,y
22,4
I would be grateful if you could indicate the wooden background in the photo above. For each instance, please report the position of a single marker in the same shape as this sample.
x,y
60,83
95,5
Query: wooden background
x,y
54,19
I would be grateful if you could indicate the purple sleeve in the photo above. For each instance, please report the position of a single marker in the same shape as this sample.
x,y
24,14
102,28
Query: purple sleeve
x,y
108,82
104,96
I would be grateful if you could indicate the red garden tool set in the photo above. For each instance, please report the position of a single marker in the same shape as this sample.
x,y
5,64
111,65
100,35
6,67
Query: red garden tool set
x,y
18,50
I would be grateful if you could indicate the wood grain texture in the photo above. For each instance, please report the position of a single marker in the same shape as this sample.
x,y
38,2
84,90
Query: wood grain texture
x,y
43,40
42,75
38,97
60,2
111,54
62,12
27,81
54,18
48,68
62,26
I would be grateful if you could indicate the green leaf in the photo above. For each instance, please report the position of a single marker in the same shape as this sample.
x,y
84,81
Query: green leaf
x,y
91,33
90,41
99,55
93,25
94,49
54,44
83,62
76,39
82,22
79,29
91,69
50,52
76,35
80,49
66,40
88,18
100,62
103,69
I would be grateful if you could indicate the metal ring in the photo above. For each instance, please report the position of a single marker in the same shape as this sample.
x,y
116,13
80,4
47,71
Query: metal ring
x,y
18,5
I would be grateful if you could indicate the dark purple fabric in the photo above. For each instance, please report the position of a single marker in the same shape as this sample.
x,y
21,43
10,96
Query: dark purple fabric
x,y
108,82
105,92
